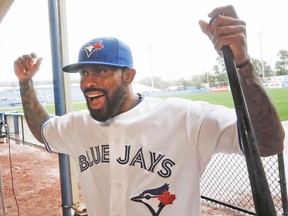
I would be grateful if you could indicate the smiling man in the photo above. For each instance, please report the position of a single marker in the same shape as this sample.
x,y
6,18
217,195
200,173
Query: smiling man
x,y
145,156
106,70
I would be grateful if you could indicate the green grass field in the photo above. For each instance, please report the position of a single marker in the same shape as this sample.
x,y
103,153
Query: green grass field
x,y
278,96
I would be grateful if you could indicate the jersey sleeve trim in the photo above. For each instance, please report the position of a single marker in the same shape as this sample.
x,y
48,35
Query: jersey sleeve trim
x,y
43,136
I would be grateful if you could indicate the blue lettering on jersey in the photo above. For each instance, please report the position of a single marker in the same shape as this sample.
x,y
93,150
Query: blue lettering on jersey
x,y
154,163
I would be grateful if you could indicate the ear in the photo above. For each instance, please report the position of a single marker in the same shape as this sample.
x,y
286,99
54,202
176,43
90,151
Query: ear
x,y
129,75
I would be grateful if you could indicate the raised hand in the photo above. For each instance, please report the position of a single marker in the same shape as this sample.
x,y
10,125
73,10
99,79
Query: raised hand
x,y
26,66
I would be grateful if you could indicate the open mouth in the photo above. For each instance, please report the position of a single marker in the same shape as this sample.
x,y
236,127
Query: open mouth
x,y
96,99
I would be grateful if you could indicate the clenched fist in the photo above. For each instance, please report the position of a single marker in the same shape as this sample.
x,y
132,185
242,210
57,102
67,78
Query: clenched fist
x,y
26,66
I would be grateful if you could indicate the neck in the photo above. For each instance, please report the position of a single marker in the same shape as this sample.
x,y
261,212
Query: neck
x,y
130,101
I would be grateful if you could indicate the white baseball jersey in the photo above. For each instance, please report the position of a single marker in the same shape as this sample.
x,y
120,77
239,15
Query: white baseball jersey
x,y
147,161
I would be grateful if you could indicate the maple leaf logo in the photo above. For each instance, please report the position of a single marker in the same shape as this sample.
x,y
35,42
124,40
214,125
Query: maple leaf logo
x,y
98,45
167,198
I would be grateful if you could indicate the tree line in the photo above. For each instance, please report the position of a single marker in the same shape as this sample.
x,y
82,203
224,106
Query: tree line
x,y
218,73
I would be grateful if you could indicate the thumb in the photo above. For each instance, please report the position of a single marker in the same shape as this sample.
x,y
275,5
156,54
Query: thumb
x,y
38,63
204,27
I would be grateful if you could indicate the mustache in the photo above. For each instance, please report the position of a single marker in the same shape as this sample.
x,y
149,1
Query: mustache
x,y
91,89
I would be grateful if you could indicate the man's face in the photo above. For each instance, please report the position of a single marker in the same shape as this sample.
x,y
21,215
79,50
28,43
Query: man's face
x,y
104,90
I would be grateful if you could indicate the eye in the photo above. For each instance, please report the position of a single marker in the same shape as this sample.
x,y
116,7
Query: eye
x,y
100,70
83,73
147,197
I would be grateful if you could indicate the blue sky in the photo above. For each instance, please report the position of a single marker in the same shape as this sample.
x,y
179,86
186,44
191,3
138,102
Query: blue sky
x,y
179,48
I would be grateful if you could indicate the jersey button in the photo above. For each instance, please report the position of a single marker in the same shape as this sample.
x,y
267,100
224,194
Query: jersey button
x,y
119,184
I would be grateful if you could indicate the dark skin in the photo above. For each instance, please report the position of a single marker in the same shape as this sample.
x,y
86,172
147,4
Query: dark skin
x,y
225,30
107,90
100,77
229,30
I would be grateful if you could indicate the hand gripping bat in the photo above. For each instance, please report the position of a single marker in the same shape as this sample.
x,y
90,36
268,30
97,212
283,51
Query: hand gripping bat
x,y
262,198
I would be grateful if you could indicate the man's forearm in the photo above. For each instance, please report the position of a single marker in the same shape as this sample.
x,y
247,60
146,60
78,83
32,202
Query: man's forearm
x,y
35,114
264,117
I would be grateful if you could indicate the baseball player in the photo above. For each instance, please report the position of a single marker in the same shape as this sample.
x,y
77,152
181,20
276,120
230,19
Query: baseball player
x,y
145,156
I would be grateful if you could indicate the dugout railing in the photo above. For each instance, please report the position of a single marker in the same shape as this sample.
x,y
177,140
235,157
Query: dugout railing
x,y
225,182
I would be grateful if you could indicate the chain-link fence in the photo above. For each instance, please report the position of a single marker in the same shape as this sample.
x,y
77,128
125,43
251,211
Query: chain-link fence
x,y
226,182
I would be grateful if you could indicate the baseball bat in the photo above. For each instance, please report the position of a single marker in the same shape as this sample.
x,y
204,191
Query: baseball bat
x,y
262,198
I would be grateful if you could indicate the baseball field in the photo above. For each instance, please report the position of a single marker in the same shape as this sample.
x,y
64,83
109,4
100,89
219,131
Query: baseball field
x,y
279,97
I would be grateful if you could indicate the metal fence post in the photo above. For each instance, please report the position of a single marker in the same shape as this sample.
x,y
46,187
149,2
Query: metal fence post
x,y
283,187
16,124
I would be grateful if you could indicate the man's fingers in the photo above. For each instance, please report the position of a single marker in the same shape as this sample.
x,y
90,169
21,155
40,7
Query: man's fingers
x,y
38,63
33,55
29,62
226,10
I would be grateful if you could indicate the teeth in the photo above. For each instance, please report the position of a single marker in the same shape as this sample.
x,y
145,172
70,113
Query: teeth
x,y
93,95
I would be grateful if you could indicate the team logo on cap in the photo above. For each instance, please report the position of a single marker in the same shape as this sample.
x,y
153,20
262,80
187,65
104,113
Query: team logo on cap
x,y
89,49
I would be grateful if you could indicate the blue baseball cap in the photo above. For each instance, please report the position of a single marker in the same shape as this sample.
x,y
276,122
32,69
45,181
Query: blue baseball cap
x,y
105,51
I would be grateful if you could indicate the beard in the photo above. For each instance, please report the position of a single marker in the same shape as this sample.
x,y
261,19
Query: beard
x,y
112,107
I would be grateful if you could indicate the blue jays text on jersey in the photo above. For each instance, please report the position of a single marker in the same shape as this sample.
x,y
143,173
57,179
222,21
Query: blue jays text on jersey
x,y
155,162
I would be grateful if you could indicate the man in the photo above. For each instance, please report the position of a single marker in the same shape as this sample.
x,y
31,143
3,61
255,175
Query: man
x,y
145,156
